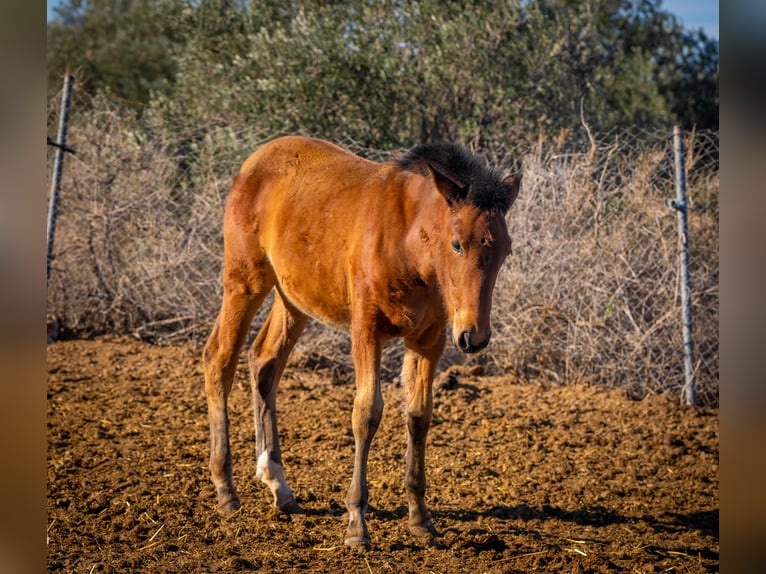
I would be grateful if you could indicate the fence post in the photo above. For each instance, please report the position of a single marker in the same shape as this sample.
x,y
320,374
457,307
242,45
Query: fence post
x,y
680,205
58,165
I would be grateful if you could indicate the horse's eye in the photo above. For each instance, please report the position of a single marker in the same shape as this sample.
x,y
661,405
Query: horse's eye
x,y
456,247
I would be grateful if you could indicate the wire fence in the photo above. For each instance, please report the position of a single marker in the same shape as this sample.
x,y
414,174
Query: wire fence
x,y
591,293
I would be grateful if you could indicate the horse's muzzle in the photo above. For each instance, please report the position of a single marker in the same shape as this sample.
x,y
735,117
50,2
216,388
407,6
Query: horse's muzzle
x,y
466,342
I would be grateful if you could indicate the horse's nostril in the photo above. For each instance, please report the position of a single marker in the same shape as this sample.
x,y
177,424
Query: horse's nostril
x,y
465,341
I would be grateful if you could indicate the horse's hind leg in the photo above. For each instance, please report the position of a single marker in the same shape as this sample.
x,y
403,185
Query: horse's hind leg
x,y
268,357
220,357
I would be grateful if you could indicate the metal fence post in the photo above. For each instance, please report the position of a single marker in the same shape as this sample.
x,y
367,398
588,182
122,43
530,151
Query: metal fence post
x,y
680,205
58,165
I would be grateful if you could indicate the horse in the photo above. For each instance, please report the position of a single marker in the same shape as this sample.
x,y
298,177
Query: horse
x,y
399,249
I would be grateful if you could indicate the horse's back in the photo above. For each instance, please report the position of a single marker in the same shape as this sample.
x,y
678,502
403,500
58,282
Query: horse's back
x,y
298,174
297,203
290,156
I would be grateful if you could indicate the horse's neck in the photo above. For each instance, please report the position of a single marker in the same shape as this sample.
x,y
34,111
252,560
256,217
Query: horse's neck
x,y
427,232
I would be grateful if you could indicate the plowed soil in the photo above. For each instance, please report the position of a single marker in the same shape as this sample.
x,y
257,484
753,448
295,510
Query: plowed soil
x,y
521,478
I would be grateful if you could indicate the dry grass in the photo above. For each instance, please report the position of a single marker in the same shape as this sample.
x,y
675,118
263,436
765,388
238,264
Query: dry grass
x,y
591,293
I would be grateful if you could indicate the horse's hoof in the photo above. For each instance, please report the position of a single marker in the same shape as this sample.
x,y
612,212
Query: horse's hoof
x,y
361,542
290,507
425,529
229,507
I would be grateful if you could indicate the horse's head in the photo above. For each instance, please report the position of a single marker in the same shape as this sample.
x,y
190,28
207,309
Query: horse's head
x,y
474,246
473,238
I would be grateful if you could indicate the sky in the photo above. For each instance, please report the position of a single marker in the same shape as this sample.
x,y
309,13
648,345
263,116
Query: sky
x,y
693,14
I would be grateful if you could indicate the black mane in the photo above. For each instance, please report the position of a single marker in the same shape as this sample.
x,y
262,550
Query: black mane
x,y
481,184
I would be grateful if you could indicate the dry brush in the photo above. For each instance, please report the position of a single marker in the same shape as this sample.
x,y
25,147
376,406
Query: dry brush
x,y
591,293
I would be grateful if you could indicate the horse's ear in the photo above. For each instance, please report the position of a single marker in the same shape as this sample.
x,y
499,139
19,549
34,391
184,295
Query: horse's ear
x,y
512,185
451,188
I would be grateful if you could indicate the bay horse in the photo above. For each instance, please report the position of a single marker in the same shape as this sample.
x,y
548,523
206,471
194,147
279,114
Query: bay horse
x,y
396,249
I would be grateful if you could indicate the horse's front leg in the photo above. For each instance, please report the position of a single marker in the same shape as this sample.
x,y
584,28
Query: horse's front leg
x,y
368,409
417,377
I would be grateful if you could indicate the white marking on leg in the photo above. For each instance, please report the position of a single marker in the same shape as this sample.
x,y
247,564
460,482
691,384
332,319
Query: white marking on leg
x,y
273,476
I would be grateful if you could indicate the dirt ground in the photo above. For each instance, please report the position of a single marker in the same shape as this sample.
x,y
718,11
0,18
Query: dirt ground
x,y
521,478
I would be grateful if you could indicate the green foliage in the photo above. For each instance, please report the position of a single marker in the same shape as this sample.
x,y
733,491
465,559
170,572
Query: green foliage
x,y
124,47
386,74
